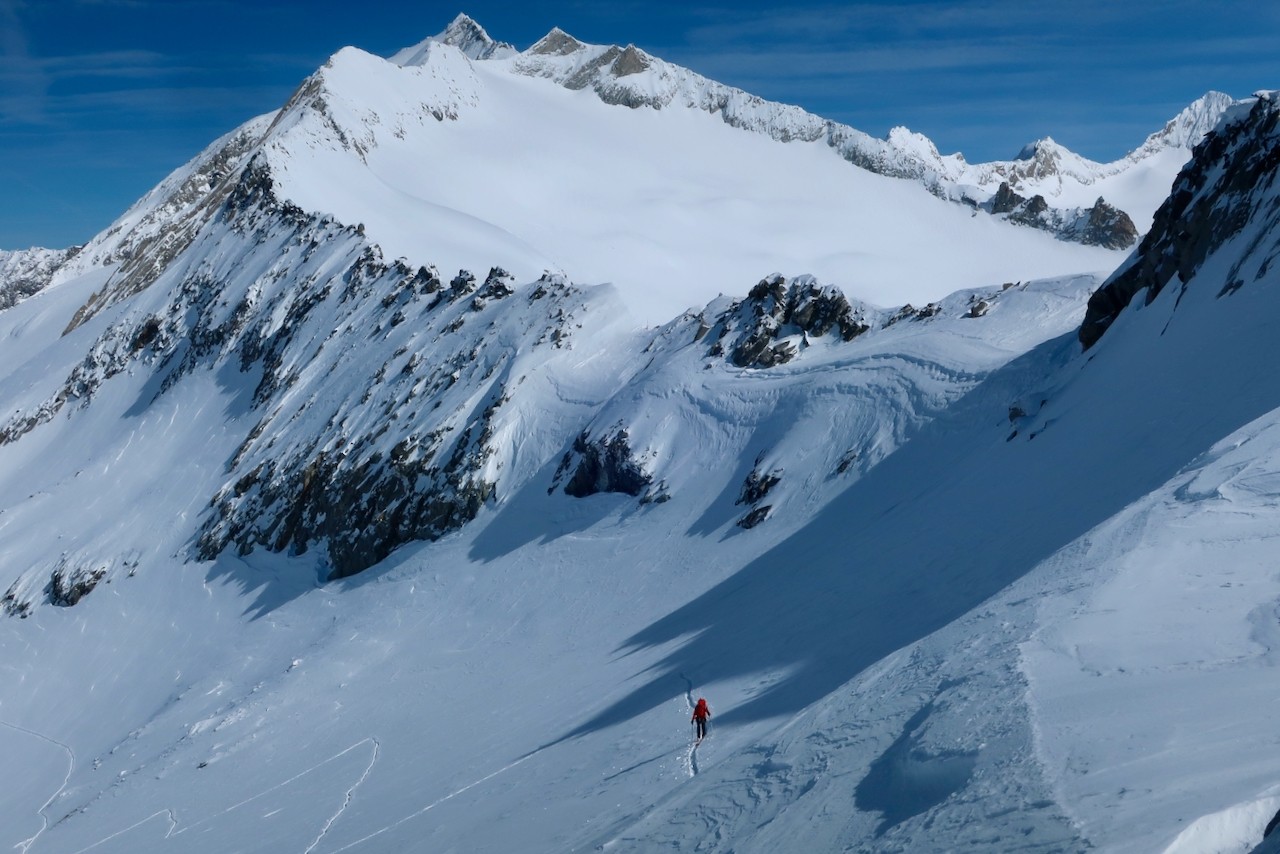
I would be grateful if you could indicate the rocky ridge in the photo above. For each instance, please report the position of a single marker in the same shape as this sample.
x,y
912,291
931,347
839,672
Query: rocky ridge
x,y
1223,194
26,272
630,77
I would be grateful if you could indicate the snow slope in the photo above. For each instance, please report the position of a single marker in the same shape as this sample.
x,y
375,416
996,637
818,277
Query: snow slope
x,y
462,164
268,724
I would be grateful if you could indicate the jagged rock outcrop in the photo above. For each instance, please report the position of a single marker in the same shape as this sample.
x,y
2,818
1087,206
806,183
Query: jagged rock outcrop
x,y
303,307
778,317
68,586
1107,226
142,247
603,464
757,486
910,313
1005,200
464,34
1100,225
1228,185
71,578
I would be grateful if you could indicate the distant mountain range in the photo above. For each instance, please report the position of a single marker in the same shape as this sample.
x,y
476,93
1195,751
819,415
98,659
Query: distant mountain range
x,y
657,198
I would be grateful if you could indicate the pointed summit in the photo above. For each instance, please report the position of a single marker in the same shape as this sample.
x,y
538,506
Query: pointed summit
x,y
1041,148
1188,127
464,34
556,43
470,38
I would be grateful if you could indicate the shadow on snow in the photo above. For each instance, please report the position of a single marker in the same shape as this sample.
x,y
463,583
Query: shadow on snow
x,y
954,516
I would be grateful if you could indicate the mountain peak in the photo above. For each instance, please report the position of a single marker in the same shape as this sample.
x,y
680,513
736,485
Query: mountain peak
x,y
1188,127
464,34
1044,147
556,43
470,38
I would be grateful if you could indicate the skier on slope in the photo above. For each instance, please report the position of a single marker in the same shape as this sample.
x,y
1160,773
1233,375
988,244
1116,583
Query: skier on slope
x,y
700,714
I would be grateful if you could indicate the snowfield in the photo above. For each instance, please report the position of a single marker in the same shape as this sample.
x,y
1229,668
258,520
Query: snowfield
x,y
308,549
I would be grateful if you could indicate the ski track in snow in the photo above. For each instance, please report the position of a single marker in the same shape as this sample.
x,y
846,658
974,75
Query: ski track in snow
x,y
347,800
173,821
435,803
691,761
25,845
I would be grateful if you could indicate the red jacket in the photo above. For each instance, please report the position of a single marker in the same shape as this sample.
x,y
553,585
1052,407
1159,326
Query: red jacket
x,y
700,711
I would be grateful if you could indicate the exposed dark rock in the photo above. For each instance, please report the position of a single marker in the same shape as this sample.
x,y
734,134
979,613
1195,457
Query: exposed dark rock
x,y
497,285
755,517
361,507
1109,227
659,494
630,61
1031,212
1271,826
775,310
1005,200
1100,225
846,462
1218,192
978,308
605,464
69,586
13,605
147,334
758,484
911,313
462,285
556,43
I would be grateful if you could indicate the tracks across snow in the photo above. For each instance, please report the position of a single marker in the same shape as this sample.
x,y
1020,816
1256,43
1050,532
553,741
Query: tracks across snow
x,y
25,845
691,761
175,831
436,802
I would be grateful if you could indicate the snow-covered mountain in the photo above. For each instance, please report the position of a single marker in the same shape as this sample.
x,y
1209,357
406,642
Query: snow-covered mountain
x,y
673,187
311,543
24,272
1070,188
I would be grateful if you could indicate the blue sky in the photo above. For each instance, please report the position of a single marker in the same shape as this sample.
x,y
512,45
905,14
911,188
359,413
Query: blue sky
x,y
99,99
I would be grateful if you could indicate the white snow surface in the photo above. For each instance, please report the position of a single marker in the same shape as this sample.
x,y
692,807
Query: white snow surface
x,y
1009,596
672,206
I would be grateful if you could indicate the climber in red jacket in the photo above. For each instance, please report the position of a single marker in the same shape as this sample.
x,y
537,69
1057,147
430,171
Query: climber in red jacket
x,y
700,714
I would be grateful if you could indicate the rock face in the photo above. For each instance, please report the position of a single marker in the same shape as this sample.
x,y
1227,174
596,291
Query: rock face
x,y
1005,200
1108,226
1227,186
67,586
757,486
464,34
603,464
1100,225
298,305
778,317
